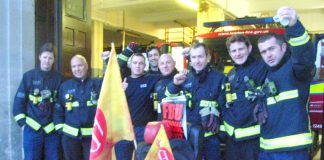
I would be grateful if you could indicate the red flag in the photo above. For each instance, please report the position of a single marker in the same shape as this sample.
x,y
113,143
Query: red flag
x,y
112,121
160,149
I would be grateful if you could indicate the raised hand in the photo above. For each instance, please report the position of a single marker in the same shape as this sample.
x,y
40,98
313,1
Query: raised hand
x,y
288,13
105,55
125,84
133,46
179,78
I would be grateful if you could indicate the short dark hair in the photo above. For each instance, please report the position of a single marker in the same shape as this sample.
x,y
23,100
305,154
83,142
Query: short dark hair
x,y
280,39
137,55
47,47
150,48
197,45
237,38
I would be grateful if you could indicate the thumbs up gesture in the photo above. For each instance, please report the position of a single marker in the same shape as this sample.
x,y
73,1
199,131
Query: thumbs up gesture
x,y
125,84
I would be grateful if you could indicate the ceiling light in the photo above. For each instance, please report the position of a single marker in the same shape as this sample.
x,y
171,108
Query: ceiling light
x,y
190,3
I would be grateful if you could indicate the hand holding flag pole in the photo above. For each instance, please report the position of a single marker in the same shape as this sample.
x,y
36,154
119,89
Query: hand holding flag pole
x,y
112,121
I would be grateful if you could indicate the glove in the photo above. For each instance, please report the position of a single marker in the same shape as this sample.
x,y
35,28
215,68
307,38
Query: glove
x,y
260,114
133,46
210,119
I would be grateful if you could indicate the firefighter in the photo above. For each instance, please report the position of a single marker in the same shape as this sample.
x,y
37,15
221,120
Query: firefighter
x,y
206,88
167,68
138,88
33,108
285,129
76,109
153,55
247,75
123,57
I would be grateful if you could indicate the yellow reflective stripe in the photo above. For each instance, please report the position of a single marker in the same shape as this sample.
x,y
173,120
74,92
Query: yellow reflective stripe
x,y
227,87
234,96
75,104
68,104
90,104
287,141
32,98
35,99
222,128
70,130
228,94
189,95
72,104
207,134
155,101
283,96
20,116
33,124
86,131
206,103
49,128
58,126
246,132
299,40
247,93
229,97
168,94
189,99
317,88
228,128
123,57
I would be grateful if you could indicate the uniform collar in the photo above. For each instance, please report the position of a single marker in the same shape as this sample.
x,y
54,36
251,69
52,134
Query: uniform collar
x,y
45,74
80,80
202,75
175,71
154,72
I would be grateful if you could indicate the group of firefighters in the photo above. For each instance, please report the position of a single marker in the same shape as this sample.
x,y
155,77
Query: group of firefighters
x,y
260,107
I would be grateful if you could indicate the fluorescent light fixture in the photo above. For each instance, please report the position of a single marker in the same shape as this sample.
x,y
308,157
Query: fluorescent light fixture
x,y
190,3
228,28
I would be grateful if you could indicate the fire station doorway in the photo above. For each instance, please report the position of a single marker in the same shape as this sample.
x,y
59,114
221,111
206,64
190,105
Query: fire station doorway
x,y
67,24
76,30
